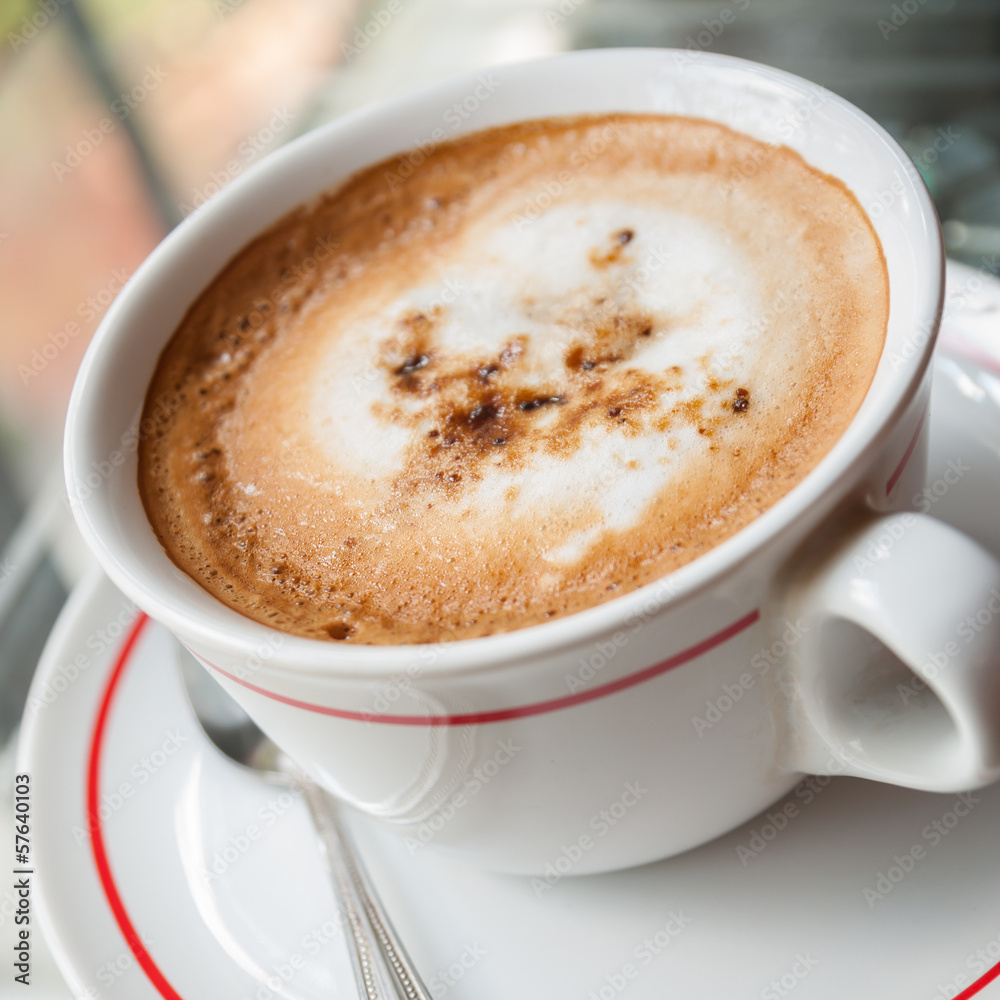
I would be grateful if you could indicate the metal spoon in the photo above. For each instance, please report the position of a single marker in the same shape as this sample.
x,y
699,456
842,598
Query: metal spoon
x,y
381,963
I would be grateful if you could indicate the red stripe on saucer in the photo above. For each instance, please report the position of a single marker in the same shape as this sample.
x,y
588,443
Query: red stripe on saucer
x,y
981,983
114,898
136,946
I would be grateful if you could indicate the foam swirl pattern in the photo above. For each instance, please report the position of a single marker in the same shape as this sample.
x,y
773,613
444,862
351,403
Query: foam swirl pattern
x,y
542,366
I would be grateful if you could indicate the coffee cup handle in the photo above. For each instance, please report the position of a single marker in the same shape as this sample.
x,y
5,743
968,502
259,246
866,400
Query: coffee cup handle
x,y
896,674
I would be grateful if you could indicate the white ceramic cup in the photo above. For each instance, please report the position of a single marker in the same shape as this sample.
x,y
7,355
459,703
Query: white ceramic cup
x,y
824,637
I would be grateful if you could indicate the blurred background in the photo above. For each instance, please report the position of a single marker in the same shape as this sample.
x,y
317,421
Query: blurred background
x,y
120,117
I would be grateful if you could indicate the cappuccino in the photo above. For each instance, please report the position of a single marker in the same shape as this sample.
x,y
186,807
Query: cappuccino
x,y
517,376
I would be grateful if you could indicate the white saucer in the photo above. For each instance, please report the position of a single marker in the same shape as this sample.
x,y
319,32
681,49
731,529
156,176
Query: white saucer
x,y
761,913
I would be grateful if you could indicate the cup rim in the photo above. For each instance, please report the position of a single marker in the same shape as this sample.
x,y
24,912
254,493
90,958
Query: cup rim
x,y
304,657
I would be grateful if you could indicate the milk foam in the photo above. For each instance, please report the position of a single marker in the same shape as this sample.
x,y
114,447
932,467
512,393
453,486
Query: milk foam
x,y
502,414
698,290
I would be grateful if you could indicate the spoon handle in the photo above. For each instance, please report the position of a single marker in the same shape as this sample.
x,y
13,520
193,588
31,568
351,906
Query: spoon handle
x,y
393,951
365,913
368,973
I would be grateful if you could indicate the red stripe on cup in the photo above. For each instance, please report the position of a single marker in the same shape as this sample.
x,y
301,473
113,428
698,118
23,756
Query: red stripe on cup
x,y
108,884
520,711
894,478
